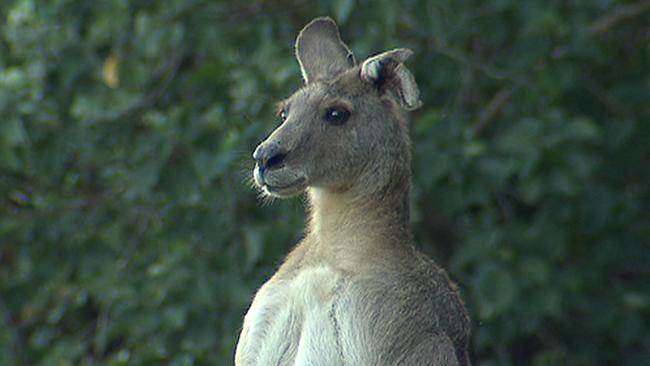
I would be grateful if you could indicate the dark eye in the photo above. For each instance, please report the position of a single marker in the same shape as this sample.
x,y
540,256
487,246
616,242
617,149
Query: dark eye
x,y
283,115
337,115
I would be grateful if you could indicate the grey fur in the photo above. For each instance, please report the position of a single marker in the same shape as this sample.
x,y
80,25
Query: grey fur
x,y
354,291
320,51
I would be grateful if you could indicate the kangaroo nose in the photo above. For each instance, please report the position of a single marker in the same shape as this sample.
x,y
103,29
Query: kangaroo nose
x,y
269,157
257,154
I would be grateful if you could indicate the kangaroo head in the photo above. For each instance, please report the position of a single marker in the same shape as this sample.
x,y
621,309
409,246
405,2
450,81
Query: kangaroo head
x,y
343,129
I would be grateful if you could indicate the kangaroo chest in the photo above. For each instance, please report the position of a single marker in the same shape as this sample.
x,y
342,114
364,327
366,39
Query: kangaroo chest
x,y
311,319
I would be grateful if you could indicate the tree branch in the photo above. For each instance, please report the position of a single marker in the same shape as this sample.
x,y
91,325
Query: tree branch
x,y
14,333
492,109
619,13
611,103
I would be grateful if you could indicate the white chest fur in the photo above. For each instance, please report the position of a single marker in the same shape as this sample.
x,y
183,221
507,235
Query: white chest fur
x,y
297,321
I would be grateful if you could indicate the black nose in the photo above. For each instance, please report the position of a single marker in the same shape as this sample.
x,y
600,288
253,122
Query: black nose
x,y
269,157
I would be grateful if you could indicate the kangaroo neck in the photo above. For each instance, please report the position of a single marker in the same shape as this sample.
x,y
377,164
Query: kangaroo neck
x,y
351,223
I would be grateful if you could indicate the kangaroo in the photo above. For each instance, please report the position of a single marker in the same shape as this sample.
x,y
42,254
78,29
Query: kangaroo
x,y
354,291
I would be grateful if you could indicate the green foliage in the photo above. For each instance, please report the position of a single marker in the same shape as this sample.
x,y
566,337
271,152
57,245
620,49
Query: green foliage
x,y
129,235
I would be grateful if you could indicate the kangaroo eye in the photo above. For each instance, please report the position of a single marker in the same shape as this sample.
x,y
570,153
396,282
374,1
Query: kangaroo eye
x,y
283,115
337,115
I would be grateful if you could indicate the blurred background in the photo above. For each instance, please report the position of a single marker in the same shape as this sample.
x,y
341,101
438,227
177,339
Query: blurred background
x,y
129,234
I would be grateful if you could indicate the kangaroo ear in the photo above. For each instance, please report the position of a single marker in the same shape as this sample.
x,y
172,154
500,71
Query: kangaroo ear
x,y
388,73
320,51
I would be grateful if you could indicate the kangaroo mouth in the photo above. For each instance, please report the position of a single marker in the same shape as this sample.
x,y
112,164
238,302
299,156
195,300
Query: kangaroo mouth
x,y
285,190
282,182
